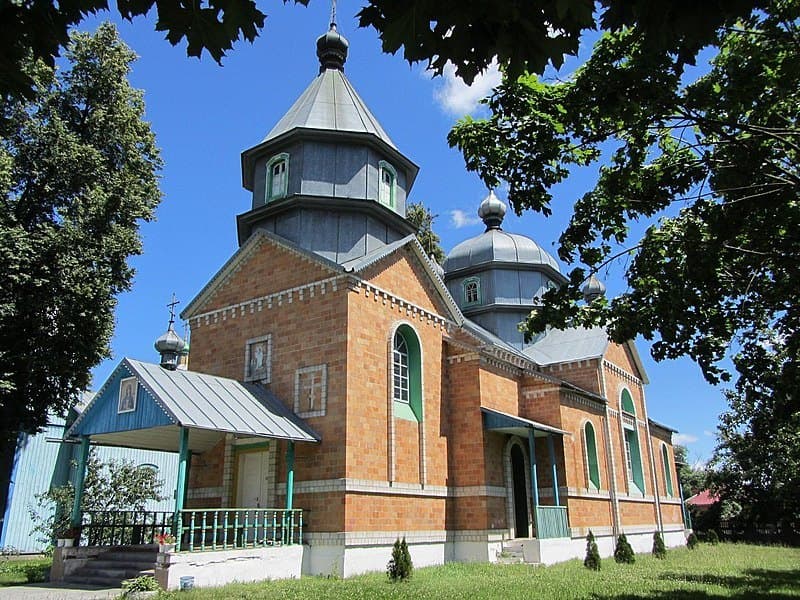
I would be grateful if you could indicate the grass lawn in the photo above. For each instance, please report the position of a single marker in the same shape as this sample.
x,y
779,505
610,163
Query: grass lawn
x,y
723,571
15,571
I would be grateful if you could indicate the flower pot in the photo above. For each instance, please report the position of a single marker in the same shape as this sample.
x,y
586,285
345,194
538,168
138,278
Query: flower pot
x,y
166,548
65,542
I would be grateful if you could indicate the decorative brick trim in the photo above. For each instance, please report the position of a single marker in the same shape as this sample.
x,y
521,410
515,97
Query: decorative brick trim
x,y
368,486
530,394
387,538
622,373
412,311
465,357
319,411
312,289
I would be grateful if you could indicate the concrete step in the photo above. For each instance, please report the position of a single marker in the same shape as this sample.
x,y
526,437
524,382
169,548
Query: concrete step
x,y
129,564
110,582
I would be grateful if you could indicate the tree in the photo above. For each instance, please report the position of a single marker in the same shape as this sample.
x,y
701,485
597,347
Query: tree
x,y
715,157
400,566
422,219
659,549
109,486
623,553
692,480
468,35
592,559
78,173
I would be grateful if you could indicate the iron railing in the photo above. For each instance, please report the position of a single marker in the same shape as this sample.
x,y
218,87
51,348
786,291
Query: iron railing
x,y
551,522
124,527
231,528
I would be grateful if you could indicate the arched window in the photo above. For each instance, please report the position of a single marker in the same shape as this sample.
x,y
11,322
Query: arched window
x,y
667,470
386,184
472,291
633,454
406,374
277,177
592,464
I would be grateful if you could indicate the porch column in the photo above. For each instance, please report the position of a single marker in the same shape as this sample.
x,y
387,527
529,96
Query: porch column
x,y
180,486
80,476
552,451
534,476
289,475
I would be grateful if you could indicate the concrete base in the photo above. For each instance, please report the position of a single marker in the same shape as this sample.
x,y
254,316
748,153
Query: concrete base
x,y
210,569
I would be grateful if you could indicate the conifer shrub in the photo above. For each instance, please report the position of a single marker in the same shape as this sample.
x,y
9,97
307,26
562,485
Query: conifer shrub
x,y
712,537
623,553
691,541
400,565
592,560
659,549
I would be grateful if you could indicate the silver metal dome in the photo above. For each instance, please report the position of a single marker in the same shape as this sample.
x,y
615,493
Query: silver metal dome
x,y
495,245
593,289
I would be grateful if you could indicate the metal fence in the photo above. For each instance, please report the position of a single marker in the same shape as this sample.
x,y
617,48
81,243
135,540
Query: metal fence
x,y
231,528
551,522
124,527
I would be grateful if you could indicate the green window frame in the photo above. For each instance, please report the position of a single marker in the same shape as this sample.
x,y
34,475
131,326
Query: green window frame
x,y
387,184
593,466
626,401
472,291
277,179
633,453
407,374
667,470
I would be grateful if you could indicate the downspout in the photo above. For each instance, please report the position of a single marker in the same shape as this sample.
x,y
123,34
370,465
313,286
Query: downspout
x,y
612,483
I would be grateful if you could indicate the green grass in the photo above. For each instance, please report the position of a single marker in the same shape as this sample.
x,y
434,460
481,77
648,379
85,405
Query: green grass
x,y
723,571
15,571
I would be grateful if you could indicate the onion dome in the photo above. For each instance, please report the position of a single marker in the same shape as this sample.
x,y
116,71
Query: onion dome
x,y
593,289
495,245
170,346
332,50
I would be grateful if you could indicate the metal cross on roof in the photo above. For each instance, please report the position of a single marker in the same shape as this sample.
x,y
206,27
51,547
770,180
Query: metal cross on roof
x,y
171,307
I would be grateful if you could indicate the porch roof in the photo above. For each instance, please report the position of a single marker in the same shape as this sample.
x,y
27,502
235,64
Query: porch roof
x,y
206,404
495,420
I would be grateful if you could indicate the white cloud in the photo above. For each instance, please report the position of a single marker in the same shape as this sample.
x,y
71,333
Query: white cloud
x,y
460,218
457,98
684,438
709,433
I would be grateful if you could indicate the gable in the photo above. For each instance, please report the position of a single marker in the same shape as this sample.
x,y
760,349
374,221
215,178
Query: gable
x,y
402,274
261,267
103,414
626,357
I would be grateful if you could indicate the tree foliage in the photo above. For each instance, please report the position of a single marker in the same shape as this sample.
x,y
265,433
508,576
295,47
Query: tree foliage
x,y
659,549
112,485
523,36
692,480
716,158
623,553
77,175
400,566
422,219
592,559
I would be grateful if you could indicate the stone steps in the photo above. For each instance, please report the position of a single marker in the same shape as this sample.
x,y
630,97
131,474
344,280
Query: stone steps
x,y
115,565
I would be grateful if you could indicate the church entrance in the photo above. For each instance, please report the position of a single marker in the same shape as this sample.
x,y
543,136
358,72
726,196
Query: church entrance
x,y
252,479
520,492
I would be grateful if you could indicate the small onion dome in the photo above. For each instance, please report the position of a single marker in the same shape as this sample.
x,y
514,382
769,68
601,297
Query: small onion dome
x,y
332,50
593,289
170,346
185,350
492,210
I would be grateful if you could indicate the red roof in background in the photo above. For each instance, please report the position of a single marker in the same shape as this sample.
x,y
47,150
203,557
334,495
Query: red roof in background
x,y
704,498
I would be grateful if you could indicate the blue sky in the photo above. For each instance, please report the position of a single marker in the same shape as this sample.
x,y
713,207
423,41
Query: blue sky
x,y
205,115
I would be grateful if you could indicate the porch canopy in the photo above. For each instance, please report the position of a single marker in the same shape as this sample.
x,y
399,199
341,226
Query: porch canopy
x,y
167,401
494,420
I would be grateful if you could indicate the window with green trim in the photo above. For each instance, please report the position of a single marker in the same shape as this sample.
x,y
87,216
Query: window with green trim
x,y
277,183
472,291
592,464
667,470
407,374
386,184
633,454
627,402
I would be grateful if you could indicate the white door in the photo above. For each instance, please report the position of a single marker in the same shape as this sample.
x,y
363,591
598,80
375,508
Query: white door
x,y
251,480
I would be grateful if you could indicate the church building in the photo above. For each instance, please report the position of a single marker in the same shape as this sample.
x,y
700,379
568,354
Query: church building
x,y
340,374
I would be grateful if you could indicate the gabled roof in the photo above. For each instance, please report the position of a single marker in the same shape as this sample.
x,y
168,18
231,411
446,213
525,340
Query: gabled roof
x,y
330,103
704,498
577,343
201,401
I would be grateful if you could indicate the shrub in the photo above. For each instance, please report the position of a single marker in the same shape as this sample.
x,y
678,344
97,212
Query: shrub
x,y
592,560
691,541
659,549
144,583
400,565
623,553
712,537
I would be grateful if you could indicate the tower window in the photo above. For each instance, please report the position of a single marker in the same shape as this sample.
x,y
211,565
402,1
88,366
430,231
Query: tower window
x,y
472,291
387,184
277,177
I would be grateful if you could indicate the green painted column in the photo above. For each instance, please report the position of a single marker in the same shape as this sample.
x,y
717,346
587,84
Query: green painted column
x,y
80,479
551,449
289,475
534,475
180,486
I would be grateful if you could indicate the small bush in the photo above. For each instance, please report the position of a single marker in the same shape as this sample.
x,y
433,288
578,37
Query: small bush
x,y
623,553
592,560
400,565
712,537
659,549
691,541
145,583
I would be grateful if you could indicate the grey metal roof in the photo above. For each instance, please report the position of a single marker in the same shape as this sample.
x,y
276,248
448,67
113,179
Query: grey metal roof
x,y
565,345
204,401
330,103
496,420
496,245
